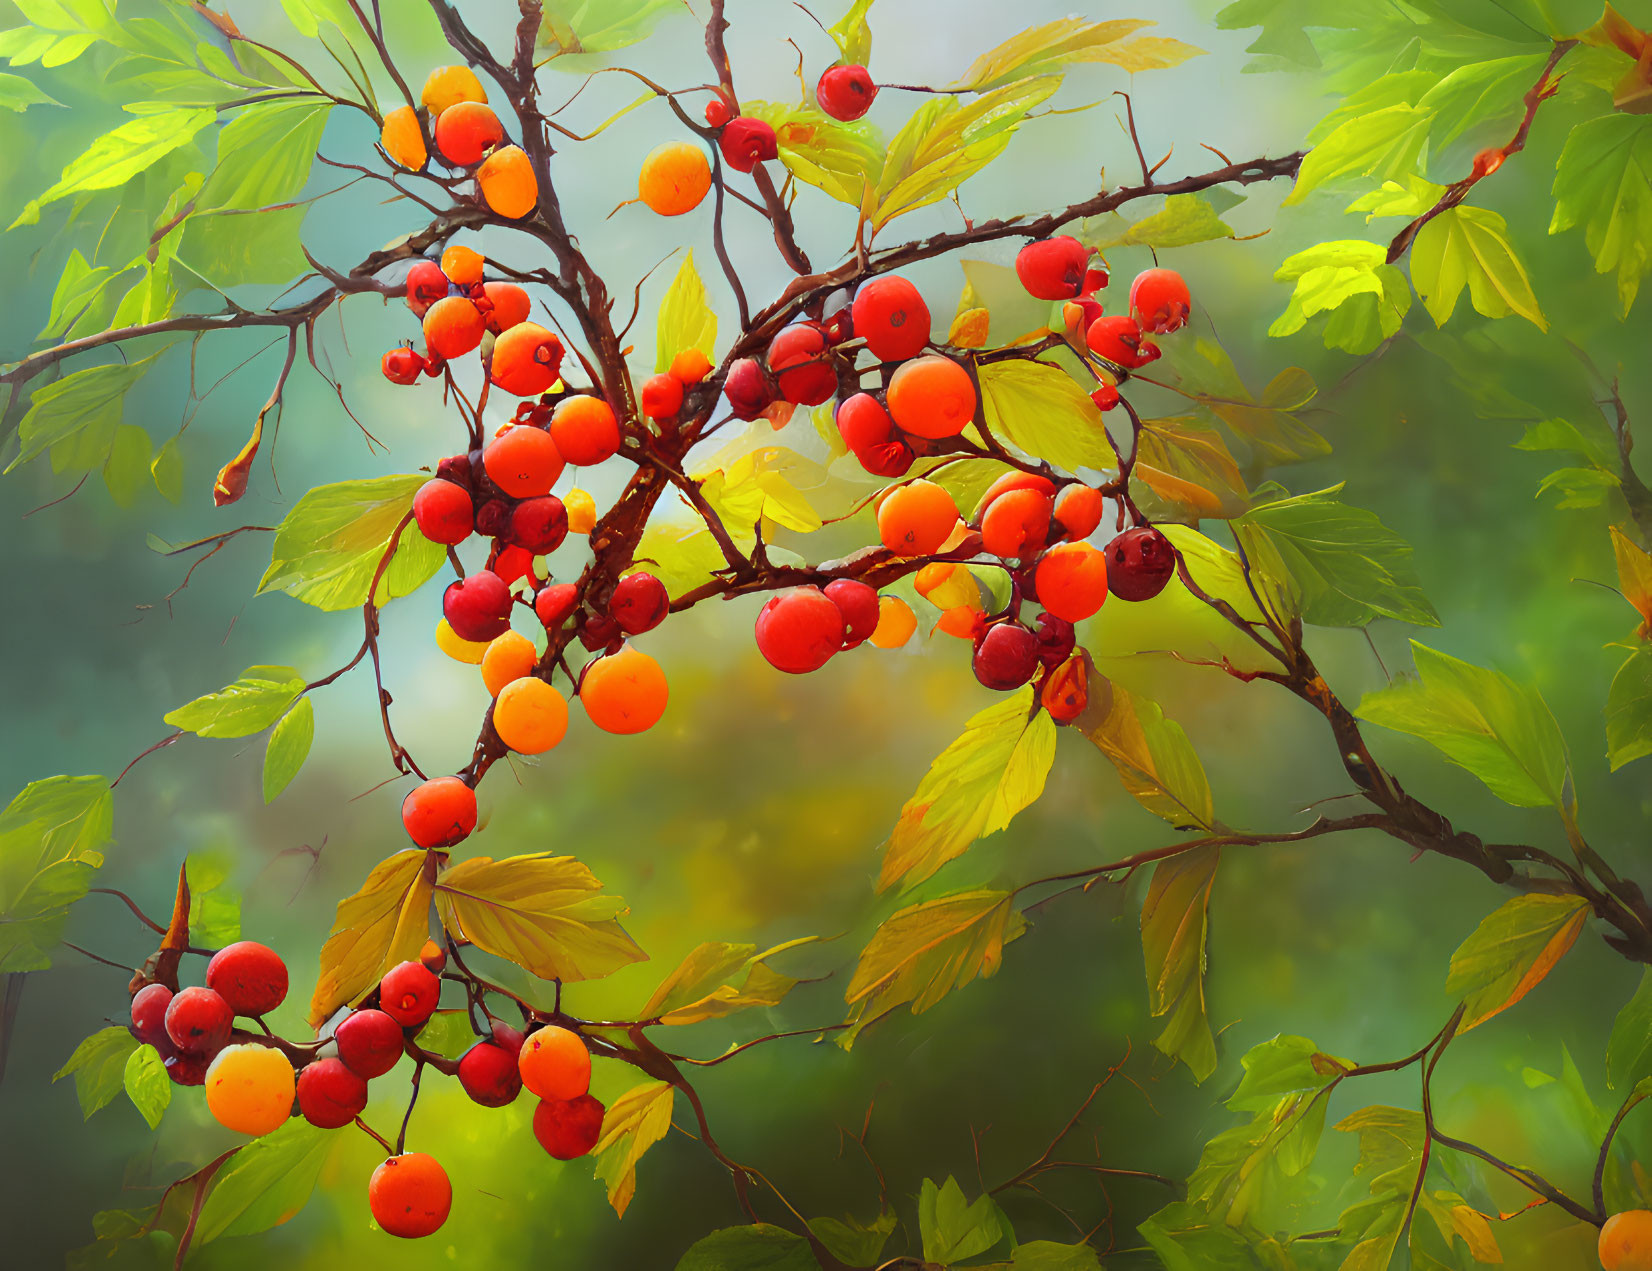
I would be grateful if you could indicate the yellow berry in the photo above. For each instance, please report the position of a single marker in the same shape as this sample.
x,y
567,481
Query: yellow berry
x,y
450,85
448,641
581,509
250,1088
402,138
896,623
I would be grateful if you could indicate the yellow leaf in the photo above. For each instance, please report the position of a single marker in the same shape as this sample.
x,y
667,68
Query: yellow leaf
x,y
702,987
1189,465
543,912
1175,921
1634,578
1511,951
1048,48
383,924
686,320
1154,758
969,329
1042,410
1144,53
634,1122
1475,1229
842,159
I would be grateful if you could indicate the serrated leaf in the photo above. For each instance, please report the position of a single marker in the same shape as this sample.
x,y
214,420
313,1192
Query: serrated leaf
x,y
384,923
85,400
1188,1237
1041,410
254,701
634,1122
763,1247
52,837
99,1067
328,547
147,1084
118,156
953,1228
1042,49
1603,182
1481,720
1511,951
1469,246
1156,763
1368,298
265,1183
1269,422
843,159
1629,710
1175,922
543,912
996,768
686,320
1184,220
234,248
288,747
923,952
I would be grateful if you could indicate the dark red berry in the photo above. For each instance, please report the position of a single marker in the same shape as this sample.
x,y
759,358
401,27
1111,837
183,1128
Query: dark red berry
x,y
1053,268
489,1074
331,1093
846,92
444,511
858,604
539,525
799,630
493,518
369,1042
409,993
568,1128
455,468
504,1035
1006,656
250,976
199,1021
186,1069
1139,563
598,631
149,1014
639,604
747,142
797,359
747,389
1055,639
477,607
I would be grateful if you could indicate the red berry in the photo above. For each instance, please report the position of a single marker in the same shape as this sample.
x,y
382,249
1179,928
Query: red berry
x,y
489,1075
639,604
409,993
1095,279
554,603
539,525
186,1069
568,1128
858,604
493,518
893,319
426,284
510,1038
870,434
662,396
444,511
1106,397
1139,563
477,607
369,1042
1053,268
1006,656
598,631
717,112
250,976
402,365
799,630
747,389
846,92
1055,639
330,1093
797,358
456,468
440,812
747,142
511,563
1119,340
1160,300
149,1014
199,1021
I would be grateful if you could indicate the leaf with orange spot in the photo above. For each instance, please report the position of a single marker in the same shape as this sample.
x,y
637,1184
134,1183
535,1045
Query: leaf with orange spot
x,y
1634,578
1509,953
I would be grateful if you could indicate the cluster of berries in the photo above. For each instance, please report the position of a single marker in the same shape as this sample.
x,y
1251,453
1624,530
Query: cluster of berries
x,y
468,136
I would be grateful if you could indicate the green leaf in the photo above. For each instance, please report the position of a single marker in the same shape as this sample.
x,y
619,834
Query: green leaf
x,y
1246,1165
1042,49
89,399
581,26
1469,246
214,905
758,1248
1283,1065
328,547
1189,1238
1478,93
99,1067
251,704
288,747
1270,422
686,321
946,142
1048,1255
1155,761
953,1228
1390,1146
267,1182
76,288
925,951
1482,721
1346,566
634,1122
233,249
1041,410
1629,710
1603,182
852,1241
52,837
168,470
126,470
1175,923
447,1033
1184,220
1284,37
1384,144
18,94
264,154
702,987
1187,466
147,1084
974,788
1370,298
118,156
1510,952
851,34
843,159
1629,1049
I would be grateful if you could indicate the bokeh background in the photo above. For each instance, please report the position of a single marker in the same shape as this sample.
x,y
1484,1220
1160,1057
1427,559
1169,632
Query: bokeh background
x,y
755,810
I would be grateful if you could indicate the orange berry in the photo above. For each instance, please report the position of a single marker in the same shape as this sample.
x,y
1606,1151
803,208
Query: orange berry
x,y
448,86
1071,580
507,182
448,641
1013,480
466,131
527,359
403,139
463,265
896,623
508,657
530,716
1066,691
690,366
963,621
410,1195
916,518
585,429
511,306
674,178
555,1063
661,396
440,812
1079,508
453,327
524,463
624,692
581,509
932,397
1625,1242
1016,524
250,1088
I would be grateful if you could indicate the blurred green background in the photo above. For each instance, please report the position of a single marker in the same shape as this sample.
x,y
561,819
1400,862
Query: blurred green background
x,y
755,810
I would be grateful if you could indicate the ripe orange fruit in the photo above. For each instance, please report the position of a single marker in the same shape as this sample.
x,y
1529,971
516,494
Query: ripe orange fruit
x,y
466,131
527,359
453,327
448,86
624,692
690,366
585,429
1079,508
530,716
581,509
448,641
508,657
511,306
1626,1241
410,1195
674,178
932,397
440,812
916,518
250,1088
524,463
896,623
964,621
1013,480
555,1063
403,139
463,265
1016,524
507,182
1071,580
